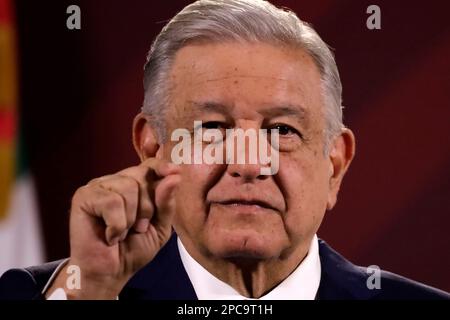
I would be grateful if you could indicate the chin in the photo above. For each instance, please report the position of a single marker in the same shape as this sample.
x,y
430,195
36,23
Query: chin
x,y
244,244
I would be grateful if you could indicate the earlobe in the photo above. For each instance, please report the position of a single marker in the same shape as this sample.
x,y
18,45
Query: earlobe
x,y
144,137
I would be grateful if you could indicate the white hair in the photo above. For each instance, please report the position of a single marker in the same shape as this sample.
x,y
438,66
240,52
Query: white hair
x,y
215,21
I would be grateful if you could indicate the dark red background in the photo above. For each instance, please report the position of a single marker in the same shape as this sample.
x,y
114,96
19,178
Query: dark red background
x,y
81,89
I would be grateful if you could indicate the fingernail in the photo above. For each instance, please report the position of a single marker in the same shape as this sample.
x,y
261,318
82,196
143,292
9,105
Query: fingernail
x,y
172,165
114,241
141,225
123,236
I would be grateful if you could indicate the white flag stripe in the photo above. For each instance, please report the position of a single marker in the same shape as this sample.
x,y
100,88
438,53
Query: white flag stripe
x,y
20,232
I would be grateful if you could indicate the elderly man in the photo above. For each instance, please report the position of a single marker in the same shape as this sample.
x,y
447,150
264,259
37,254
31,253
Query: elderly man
x,y
223,229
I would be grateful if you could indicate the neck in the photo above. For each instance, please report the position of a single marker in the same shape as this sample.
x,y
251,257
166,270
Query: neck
x,y
253,278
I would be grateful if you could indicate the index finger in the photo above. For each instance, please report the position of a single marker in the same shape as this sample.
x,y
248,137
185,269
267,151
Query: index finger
x,y
161,167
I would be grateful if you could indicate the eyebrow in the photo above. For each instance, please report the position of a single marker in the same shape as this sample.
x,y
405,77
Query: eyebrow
x,y
272,111
210,107
285,110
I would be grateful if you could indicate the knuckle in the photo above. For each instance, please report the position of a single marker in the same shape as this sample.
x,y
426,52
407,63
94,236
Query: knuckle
x,y
80,195
130,184
116,228
93,181
147,207
131,171
114,201
130,191
98,180
112,210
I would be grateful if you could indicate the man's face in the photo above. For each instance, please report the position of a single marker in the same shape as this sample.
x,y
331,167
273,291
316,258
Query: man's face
x,y
227,211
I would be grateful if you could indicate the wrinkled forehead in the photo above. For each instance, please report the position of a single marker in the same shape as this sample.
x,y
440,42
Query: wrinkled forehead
x,y
243,77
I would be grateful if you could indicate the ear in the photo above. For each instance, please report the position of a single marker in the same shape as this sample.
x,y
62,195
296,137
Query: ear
x,y
144,137
341,155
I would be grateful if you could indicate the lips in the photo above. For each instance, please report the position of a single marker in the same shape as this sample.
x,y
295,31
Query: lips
x,y
246,202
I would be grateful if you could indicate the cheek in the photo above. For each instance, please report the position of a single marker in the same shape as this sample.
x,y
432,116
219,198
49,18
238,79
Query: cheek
x,y
191,196
305,187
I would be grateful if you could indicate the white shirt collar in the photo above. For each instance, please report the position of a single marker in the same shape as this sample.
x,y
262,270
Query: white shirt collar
x,y
301,284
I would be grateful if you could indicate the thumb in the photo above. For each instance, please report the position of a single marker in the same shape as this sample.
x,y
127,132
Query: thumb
x,y
165,201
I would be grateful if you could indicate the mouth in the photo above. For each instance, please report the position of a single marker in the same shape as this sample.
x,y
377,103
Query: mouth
x,y
245,204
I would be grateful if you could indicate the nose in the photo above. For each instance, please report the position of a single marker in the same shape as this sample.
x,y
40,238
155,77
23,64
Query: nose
x,y
245,162
246,172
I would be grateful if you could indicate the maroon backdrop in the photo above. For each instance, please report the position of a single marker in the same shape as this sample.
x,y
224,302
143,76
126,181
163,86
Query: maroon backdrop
x,y
81,89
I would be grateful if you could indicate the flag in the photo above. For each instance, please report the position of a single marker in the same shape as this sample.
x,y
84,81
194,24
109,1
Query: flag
x,y
20,236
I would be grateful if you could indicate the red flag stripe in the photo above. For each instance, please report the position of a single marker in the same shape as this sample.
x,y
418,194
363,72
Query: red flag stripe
x,y
7,124
5,12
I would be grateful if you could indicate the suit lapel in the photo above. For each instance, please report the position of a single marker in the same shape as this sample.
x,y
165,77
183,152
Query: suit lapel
x,y
340,279
164,278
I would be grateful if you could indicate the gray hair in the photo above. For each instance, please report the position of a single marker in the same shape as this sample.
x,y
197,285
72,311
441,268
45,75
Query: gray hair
x,y
215,21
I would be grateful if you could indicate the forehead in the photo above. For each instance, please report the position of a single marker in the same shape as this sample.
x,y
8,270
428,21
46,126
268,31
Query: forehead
x,y
244,74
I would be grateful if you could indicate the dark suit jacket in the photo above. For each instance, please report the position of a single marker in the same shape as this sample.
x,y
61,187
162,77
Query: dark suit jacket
x,y
165,278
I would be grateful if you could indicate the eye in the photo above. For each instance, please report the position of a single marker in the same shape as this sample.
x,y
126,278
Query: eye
x,y
213,131
285,130
213,125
